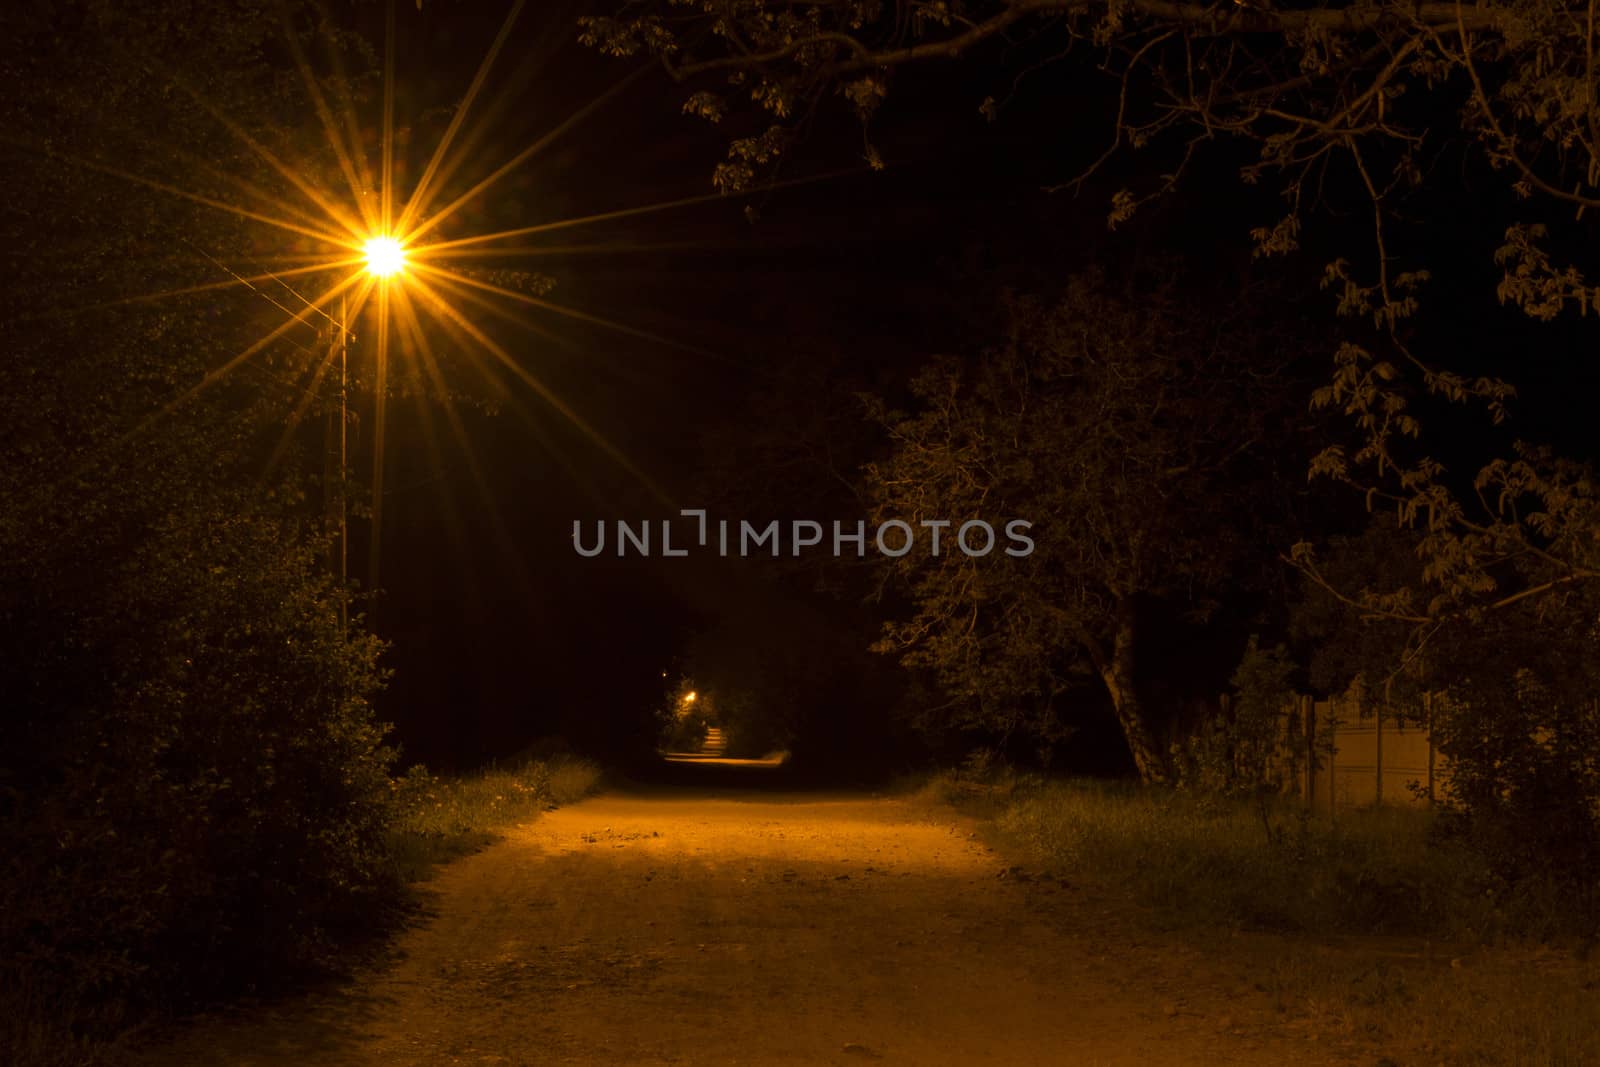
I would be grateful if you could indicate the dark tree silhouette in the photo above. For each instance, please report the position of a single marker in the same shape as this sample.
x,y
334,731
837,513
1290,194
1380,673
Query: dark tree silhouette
x,y
1127,429
1340,100
1391,109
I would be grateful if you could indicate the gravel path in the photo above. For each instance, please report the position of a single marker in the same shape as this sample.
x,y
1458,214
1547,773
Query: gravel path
x,y
691,927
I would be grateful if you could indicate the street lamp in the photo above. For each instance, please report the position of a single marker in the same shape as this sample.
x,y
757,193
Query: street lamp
x,y
385,256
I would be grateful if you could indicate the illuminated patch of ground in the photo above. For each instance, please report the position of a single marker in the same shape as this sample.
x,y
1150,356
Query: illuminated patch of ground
x,y
679,926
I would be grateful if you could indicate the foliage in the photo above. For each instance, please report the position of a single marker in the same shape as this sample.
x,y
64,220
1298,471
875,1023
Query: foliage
x,y
789,647
1322,91
1372,107
1110,420
1517,720
792,673
1344,98
193,782
1247,749
437,819
687,732
1342,645
1373,871
983,783
197,790
752,727
1307,85
1509,695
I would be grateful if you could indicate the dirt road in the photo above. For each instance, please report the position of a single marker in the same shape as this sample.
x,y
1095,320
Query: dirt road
x,y
676,926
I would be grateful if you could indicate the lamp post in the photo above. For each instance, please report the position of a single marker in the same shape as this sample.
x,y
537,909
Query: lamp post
x,y
333,478
385,258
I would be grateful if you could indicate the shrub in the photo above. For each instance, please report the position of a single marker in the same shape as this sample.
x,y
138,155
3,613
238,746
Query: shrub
x,y
1521,729
197,790
1513,703
1239,751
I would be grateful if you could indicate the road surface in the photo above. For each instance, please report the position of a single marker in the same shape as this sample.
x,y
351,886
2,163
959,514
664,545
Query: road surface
x,y
691,926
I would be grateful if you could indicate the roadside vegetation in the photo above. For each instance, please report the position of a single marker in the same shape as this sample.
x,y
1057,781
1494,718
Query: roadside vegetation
x,y
1385,923
1231,864
440,818
65,1006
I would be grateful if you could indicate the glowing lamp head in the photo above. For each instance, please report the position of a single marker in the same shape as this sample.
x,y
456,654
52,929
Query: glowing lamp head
x,y
385,257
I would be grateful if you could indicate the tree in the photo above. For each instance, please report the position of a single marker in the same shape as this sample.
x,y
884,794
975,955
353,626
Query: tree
x,y
1339,646
1396,114
1343,103
1126,428
1302,82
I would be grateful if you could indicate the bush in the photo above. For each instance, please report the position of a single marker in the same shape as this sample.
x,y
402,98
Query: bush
x,y
1511,701
1521,728
1239,751
196,788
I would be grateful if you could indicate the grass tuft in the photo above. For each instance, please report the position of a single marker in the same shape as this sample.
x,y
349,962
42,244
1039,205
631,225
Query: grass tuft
x,y
1212,863
439,819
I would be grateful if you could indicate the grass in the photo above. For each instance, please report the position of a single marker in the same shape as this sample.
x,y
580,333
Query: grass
x,y
440,819
1456,974
1513,1006
1222,864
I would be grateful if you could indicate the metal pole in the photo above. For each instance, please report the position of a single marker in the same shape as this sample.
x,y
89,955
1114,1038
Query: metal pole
x,y
344,466
1308,716
1333,754
1378,754
1427,713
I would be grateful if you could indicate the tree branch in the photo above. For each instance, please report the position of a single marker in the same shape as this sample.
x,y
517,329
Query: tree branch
x,y
1507,145
1207,19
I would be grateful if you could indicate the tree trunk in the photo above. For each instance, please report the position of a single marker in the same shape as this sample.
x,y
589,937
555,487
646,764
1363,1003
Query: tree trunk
x,y
1117,673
